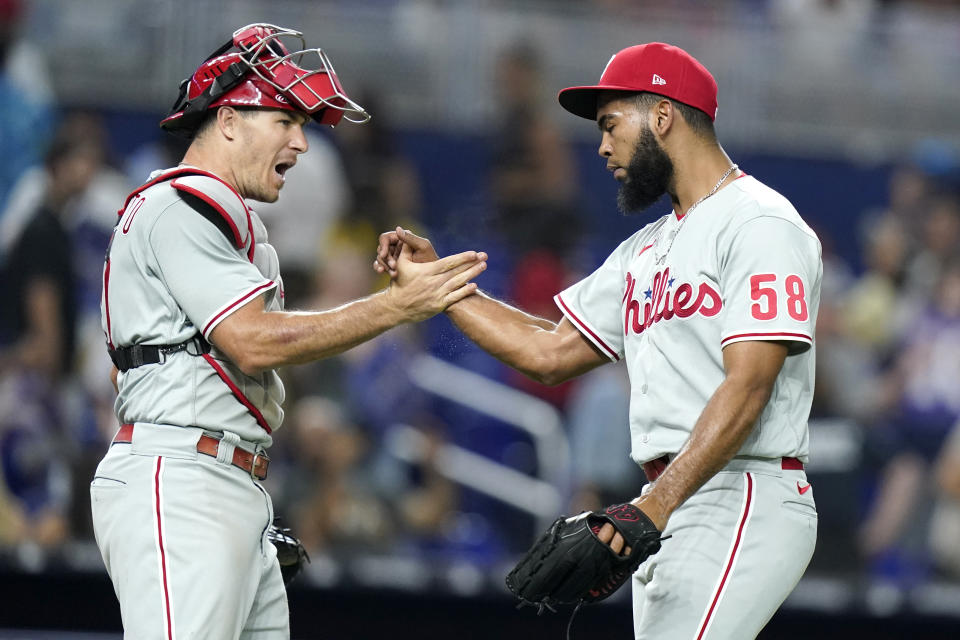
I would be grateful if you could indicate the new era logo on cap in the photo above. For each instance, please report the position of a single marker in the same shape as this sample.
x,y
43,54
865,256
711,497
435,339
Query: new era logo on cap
x,y
639,68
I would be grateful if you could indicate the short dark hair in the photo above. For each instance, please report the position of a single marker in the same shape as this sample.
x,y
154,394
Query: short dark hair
x,y
699,122
211,116
206,123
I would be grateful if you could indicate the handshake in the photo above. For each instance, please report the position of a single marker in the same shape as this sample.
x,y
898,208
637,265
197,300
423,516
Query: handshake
x,y
421,283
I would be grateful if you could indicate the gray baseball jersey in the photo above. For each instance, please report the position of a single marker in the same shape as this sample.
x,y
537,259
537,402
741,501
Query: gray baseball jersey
x,y
183,534
742,266
171,274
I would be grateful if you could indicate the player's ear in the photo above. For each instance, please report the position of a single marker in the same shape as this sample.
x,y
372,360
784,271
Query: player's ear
x,y
662,117
228,119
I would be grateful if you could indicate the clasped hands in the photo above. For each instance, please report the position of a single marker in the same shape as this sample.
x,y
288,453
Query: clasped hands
x,y
421,283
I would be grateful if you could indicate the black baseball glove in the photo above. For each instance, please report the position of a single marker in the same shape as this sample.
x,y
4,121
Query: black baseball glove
x,y
290,552
570,565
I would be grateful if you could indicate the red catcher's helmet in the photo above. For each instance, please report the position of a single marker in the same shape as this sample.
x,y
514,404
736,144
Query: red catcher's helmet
x,y
256,68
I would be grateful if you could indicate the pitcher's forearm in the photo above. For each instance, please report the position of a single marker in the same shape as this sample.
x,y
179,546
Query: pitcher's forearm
x,y
505,332
723,426
545,351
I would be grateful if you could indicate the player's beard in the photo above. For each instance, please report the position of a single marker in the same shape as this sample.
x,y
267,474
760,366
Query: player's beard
x,y
648,175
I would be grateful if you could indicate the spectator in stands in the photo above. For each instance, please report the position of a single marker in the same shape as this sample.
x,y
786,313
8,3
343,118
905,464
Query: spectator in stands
x,y
874,310
39,323
909,191
38,326
346,493
25,102
532,168
163,151
939,243
929,168
424,500
859,327
384,183
846,366
87,217
602,470
534,194
945,522
329,496
924,404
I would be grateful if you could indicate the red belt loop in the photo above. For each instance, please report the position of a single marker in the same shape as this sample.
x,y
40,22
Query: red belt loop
x,y
253,463
125,434
791,464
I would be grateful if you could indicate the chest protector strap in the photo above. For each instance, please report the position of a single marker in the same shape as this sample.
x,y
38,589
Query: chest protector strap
x,y
126,358
215,200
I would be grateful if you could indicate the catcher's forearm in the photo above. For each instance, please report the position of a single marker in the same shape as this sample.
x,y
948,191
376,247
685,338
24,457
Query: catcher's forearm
x,y
257,340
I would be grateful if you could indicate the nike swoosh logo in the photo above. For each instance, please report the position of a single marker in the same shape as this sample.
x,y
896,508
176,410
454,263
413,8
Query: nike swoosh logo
x,y
803,490
644,249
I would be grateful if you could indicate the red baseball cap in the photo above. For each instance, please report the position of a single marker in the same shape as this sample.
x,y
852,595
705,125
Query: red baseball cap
x,y
655,67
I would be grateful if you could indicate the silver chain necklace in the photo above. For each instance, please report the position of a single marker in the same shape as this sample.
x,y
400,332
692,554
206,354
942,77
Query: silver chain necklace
x,y
661,258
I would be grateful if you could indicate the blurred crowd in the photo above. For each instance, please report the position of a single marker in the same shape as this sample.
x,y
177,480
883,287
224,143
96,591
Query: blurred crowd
x,y
888,359
888,338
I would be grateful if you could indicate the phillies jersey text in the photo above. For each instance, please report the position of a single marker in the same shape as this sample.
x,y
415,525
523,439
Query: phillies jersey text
x,y
741,266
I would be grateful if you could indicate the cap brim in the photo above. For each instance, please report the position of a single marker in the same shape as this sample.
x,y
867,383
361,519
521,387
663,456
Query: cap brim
x,y
582,101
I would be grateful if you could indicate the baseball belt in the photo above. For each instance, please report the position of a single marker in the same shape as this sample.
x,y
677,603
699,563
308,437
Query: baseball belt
x,y
253,463
654,468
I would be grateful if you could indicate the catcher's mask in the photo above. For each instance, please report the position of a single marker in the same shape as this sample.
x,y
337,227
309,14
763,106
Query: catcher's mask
x,y
263,65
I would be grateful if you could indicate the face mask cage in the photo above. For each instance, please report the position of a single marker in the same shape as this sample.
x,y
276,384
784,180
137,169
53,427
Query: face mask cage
x,y
279,57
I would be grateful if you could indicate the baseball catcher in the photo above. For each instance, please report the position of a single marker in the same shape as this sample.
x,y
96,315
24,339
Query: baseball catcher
x,y
193,315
